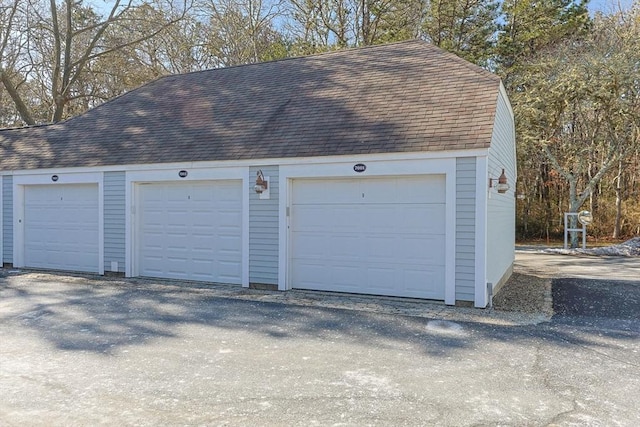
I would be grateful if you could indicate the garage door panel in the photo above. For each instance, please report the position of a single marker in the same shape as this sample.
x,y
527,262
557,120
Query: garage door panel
x,y
191,231
416,218
202,244
343,217
229,269
316,275
346,276
432,277
386,238
380,248
344,246
319,191
308,245
310,275
382,278
203,236
202,223
315,217
306,218
406,250
431,188
426,218
313,245
229,242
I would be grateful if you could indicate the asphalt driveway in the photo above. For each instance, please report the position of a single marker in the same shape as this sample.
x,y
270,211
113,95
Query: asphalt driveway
x,y
608,299
88,351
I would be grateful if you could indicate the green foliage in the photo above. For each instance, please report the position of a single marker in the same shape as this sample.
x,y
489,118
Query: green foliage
x,y
464,27
577,106
530,26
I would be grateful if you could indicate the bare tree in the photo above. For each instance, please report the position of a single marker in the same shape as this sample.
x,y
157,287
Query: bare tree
x,y
242,31
579,104
13,44
64,39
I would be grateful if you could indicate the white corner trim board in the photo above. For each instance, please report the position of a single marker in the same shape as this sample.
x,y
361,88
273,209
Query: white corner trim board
x,y
481,297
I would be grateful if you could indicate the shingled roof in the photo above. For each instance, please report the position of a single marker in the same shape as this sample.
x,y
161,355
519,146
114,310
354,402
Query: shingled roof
x,y
402,97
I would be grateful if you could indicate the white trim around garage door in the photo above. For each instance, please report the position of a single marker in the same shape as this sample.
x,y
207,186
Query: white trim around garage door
x,y
176,175
19,184
372,168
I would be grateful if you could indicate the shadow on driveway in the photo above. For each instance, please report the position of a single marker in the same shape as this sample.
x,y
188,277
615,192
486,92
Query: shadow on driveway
x,y
99,315
102,316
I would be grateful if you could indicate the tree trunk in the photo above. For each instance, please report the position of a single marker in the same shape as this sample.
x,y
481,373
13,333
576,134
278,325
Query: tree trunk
x,y
366,24
618,218
22,108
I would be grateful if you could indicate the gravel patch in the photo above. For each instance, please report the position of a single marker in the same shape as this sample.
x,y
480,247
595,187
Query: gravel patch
x,y
524,293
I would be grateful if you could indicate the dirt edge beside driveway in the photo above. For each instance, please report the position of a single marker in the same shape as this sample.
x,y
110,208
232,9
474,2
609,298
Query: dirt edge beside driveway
x,y
525,293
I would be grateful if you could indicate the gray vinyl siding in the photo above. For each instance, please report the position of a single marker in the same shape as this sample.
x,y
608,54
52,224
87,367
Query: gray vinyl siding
x,y
263,230
114,220
465,228
7,219
501,207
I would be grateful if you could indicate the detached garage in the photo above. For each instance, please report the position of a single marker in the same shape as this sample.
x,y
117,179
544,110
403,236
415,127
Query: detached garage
x,y
365,171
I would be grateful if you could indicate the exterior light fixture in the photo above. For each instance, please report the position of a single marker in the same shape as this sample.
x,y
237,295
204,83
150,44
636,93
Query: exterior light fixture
x,y
262,186
502,185
261,183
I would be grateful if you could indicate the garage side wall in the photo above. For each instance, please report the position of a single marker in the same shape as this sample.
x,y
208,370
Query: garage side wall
x,y
501,207
263,229
7,219
114,221
465,228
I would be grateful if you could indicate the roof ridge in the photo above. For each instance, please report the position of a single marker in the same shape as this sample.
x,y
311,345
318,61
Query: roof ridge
x,y
38,125
423,43
209,70
293,58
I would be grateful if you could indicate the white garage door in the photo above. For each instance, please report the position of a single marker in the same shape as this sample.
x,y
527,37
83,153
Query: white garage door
x,y
61,230
191,231
382,236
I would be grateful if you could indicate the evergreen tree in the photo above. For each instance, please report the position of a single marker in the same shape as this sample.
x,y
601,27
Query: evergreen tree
x,y
464,27
533,25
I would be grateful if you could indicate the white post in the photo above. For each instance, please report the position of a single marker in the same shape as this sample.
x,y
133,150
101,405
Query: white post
x,y
567,230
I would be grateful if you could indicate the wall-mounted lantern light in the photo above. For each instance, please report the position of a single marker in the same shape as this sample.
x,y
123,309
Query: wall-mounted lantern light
x,y
262,185
502,185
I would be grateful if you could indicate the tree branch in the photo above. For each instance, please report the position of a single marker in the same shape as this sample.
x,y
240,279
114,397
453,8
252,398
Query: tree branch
x,y
23,110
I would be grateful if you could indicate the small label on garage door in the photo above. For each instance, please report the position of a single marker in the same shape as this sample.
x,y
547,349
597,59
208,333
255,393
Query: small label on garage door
x,y
360,167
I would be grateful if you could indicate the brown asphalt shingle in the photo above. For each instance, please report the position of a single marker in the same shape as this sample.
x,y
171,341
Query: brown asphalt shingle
x,y
402,97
